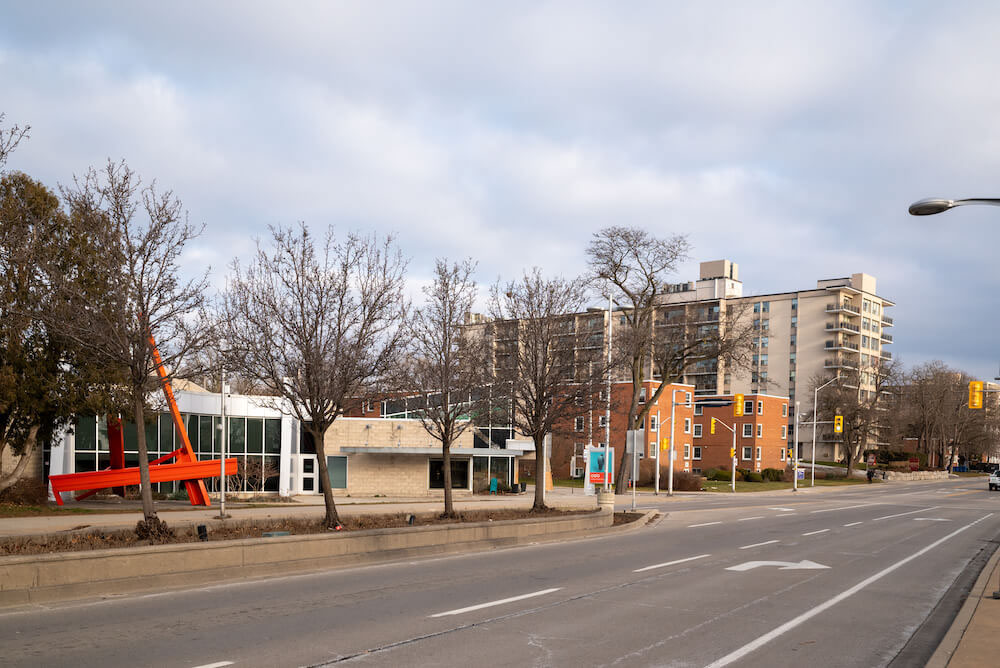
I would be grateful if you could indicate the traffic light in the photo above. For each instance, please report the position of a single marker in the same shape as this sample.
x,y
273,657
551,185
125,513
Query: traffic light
x,y
732,453
791,453
664,444
976,394
738,405
711,429
838,424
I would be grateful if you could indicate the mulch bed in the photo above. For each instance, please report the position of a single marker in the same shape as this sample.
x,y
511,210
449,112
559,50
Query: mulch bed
x,y
232,530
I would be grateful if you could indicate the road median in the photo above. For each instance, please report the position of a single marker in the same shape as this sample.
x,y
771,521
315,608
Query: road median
x,y
71,575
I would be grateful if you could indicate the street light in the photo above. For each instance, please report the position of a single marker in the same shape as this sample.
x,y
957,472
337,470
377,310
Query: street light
x,y
932,205
816,417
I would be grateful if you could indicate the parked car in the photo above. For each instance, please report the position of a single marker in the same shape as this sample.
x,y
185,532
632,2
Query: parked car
x,y
995,480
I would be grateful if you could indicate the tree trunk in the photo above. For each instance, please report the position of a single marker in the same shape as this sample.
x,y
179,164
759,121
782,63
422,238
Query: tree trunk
x,y
539,473
15,475
449,508
145,489
332,519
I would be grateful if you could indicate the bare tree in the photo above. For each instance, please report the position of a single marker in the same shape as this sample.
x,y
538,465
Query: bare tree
x,y
861,398
316,324
657,339
447,368
140,234
10,138
535,353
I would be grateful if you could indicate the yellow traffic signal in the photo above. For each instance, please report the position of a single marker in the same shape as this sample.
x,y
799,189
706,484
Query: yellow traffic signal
x,y
791,453
664,444
976,394
712,428
732,453
738,405
838,424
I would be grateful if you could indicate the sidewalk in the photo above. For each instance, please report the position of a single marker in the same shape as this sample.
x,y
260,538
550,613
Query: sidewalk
x,y
181,513
974,638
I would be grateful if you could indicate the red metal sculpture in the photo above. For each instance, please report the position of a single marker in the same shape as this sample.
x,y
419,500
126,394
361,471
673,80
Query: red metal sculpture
x,y
186,467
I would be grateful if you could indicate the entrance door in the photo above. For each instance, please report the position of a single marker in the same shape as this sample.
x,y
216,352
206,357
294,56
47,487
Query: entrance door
x,y
308,474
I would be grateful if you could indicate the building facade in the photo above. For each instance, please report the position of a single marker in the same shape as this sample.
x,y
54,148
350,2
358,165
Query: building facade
x,y
761,432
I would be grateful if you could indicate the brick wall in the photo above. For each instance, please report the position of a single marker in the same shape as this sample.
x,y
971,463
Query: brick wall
x,y
769,416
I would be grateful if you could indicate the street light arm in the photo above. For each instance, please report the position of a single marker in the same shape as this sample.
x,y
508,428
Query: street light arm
x,y
933,205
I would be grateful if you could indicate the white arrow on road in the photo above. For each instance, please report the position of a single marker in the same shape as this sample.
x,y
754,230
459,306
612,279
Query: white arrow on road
x,y
805,564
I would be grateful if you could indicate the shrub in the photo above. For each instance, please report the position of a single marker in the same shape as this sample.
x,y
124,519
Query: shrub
x,y
753,476
26,492
687,482
721,475
772,475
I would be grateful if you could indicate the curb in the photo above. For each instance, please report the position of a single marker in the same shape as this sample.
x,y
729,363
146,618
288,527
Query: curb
x,y
953,638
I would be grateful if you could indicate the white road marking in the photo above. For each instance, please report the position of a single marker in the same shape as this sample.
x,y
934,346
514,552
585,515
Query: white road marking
x,y
766,542
670,563
747,519
830,510
217,664
912,512
853,524
797,621
813,533
930,519
784,510
704,524
500,602
805,564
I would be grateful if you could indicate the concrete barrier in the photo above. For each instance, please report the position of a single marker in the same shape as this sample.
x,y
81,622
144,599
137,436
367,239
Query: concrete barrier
x,y
69,575
915,475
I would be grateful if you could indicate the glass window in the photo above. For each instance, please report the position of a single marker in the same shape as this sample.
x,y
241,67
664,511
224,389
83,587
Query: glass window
x,y
103,444
760,430
191,421
697,431
272,436
781,455
86,434
784,431
758,454
687,398
206,435
237,435
255,435
795,303
500,469
459,474
652,423
760,408
748,407
784,410
687,425
687,451
151,435
747,430
747,452
336,468
272,471
480,474
579,424
697,452
166,433
699,409
603,421
642,395
130,438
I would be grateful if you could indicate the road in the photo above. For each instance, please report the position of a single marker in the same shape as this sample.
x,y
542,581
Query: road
x,y
835,578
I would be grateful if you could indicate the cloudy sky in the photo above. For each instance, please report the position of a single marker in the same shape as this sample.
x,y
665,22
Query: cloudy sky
x,y
786,136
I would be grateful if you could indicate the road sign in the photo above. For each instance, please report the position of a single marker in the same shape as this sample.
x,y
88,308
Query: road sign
x,y
800,474
871,459
804,565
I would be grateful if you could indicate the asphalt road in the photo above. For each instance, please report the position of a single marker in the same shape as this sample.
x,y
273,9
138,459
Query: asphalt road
x,y
839,578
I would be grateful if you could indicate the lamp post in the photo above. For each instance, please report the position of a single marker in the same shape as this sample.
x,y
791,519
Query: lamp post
x,y
607,408
815,418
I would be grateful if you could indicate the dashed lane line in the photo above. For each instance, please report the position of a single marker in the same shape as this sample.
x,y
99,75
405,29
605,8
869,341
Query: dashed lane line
x,y
853,524
502,601
670,563
766,542
703,524
747,519
813,533
912,512
830,510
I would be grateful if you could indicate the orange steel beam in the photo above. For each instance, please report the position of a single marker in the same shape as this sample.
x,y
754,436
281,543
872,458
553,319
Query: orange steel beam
x,y
195,488
94,480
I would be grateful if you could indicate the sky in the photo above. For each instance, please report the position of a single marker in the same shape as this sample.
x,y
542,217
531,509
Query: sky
x,y
789,137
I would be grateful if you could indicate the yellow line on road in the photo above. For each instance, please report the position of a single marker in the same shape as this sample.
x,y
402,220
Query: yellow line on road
x,y
974,491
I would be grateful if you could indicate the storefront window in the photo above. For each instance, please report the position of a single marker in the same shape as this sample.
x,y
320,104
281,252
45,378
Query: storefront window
x,y
459,474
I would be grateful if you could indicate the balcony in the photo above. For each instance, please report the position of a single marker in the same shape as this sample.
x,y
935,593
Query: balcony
x,y
842,308
886,321
842,326
886,338
886,355
837,363
841,345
